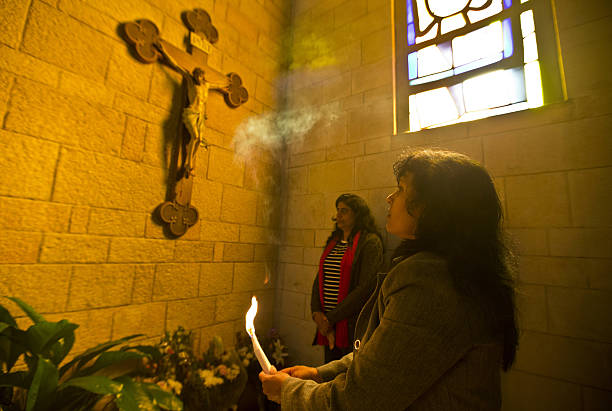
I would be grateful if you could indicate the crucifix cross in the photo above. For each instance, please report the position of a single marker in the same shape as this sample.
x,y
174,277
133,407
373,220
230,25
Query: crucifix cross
x,y
178,212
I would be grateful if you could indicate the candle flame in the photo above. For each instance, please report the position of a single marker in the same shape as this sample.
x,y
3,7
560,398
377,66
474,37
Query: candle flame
x,y
250,317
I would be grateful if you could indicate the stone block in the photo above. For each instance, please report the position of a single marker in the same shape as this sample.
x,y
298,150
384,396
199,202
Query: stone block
x,y
527,392
193,251
431,137
243,23
207,197
86,89
528,241
238,205
140,109
564,272
216,278
375,47
73,248
253,234
94,327
28,215
89,16
298,277
297,160
116,223
83,124
27,66
540,200
266,253
321,237
218,252
176,281
332,176
232,306
307,212
291,255
215,231
600,274
100,285
596,400
79,219
266,92
128,74
144,275
298,180
298,237
375,171
294,305
580,313
590,197
44,287
191,313
132,147
49,30
251,276
580,78
570,359
238,252
312,255
531,307
127,250
345,151
570,14
581,242
165,91
31,159
370,121
12,19
148,319
130,10
561,145
123,185
378,145
226,167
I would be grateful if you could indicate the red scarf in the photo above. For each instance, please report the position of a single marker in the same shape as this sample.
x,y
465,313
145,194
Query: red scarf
x,y
346,264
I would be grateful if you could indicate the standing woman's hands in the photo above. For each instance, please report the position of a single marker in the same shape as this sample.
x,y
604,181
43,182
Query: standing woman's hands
x,y
322,322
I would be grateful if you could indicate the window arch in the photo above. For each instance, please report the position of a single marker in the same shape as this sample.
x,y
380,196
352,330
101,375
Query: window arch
x,y
461,60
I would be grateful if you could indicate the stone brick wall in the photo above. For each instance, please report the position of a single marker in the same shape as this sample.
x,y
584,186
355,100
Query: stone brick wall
x,y
552,166
85,143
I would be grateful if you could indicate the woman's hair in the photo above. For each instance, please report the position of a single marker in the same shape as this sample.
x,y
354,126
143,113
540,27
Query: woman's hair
x,y
364,220
461,220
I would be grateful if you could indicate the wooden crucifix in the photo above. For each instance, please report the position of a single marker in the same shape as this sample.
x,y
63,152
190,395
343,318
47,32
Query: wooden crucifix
x,y
178,212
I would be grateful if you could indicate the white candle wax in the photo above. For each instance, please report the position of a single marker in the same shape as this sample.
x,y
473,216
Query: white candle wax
x,y
259,353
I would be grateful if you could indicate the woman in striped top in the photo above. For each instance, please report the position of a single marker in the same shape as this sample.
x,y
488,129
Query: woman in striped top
x,y
346,276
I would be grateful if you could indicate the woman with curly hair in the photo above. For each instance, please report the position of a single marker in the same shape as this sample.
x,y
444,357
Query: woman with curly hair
x,y
345,280
441,324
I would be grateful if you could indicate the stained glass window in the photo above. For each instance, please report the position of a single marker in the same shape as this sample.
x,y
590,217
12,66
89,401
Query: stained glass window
x,y
460,60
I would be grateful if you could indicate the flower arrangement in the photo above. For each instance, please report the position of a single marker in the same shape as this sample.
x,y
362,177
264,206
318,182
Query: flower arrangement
x,y
214,381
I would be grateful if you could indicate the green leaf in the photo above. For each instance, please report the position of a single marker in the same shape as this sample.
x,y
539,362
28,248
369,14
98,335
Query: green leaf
x,y
51,340
34,316
43,384
13,343
6,317
98,384
132,397
162,398
109,358
90,354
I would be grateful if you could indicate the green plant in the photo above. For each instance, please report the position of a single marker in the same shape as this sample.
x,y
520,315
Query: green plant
x,y
98,377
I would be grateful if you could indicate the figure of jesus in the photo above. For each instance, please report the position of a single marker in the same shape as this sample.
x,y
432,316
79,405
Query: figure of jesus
x,y
194,115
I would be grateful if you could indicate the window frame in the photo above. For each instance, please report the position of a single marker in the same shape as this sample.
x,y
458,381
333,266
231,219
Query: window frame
x,y
547,39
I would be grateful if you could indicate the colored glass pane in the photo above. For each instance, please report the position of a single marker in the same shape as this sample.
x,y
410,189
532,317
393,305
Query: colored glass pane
x,y
507,4
530,48
434,59
482,43
409,14
533,84
508,44
451,23
477,15
425,19
436,106
411,35
527,24
445,8
412,65
432,33
478,63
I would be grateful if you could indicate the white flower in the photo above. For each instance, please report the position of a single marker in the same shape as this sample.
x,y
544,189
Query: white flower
x,y
208,376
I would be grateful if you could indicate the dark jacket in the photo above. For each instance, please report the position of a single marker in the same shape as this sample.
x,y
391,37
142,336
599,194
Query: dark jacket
x,y
366,263
423,346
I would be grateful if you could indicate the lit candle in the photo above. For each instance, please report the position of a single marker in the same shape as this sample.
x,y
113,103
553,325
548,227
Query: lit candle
x,y
261,356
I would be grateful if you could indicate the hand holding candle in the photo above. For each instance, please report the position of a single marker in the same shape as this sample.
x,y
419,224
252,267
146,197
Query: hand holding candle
x,y
250,327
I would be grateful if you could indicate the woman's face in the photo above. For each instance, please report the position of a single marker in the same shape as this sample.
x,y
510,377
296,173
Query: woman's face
x,y
399,221
345,217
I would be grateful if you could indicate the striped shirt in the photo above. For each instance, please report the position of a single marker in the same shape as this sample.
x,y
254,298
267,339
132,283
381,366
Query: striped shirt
x,y
331,275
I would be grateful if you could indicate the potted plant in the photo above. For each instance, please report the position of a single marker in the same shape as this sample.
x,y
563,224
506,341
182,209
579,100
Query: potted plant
x,y
99,377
